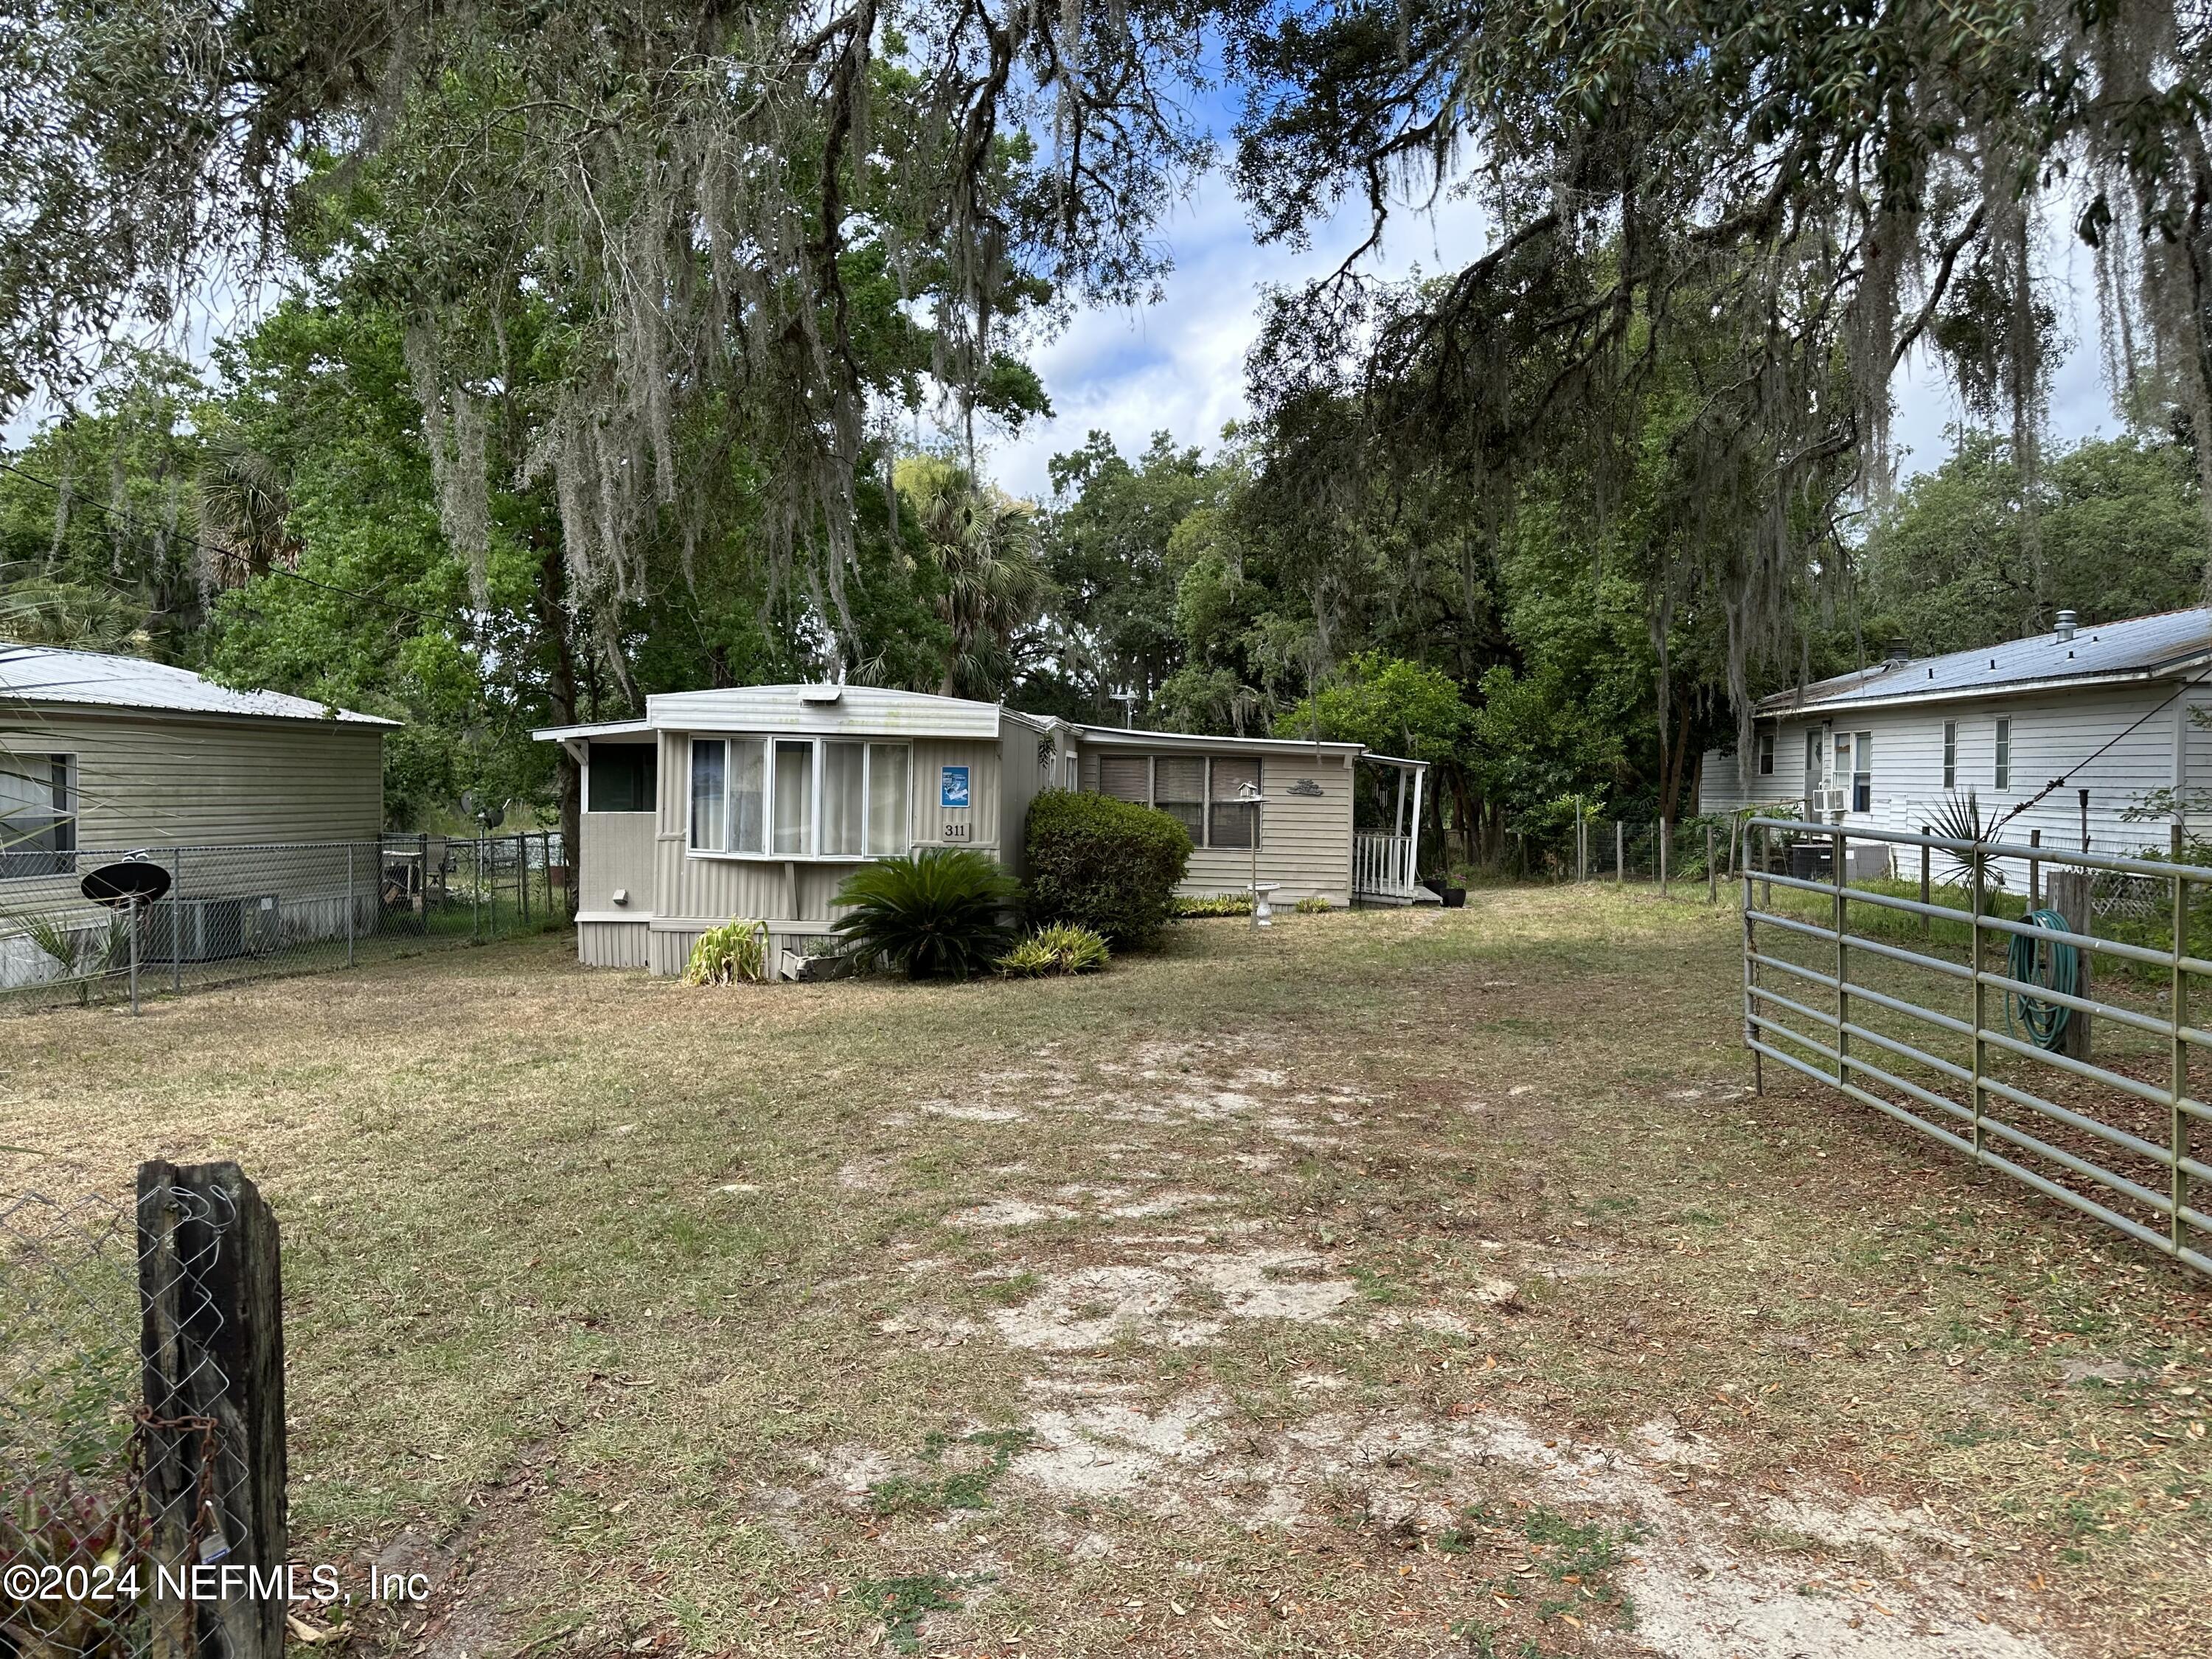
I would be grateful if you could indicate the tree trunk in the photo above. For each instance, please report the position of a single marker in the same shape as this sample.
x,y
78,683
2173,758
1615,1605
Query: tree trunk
x,y
1670,768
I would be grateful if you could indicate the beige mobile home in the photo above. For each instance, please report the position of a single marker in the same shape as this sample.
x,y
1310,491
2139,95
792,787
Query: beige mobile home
x,y
759,801
102,756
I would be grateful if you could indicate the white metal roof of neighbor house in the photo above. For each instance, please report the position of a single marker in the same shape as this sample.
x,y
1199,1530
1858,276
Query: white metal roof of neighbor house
x,y
2143,647
49,676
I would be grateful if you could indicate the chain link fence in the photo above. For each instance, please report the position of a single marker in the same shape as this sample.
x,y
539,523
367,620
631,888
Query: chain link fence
x,y
106,1501
234,912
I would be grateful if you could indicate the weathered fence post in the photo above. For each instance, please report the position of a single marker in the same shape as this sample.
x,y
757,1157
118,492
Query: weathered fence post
x,y
2069,898
348,902
476,888
1660,831
1712,871
422,881
212,1342
522,876
1927,921
1620,852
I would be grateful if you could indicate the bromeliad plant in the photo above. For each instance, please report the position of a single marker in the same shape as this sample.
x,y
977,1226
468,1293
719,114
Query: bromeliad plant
x,y
944,912
1061,948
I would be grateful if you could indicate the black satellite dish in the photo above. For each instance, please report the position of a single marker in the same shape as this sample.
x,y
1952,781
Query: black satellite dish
x,y
131,881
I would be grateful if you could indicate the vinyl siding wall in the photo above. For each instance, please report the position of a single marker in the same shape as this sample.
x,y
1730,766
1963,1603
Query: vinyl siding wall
x,y
154,780
2050,737
1305,841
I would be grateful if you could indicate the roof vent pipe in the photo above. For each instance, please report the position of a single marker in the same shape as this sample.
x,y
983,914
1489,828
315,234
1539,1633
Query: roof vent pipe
x,y
2066,626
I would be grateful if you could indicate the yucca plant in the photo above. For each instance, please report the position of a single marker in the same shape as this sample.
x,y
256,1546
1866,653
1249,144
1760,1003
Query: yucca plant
x,y
943,912
1960,818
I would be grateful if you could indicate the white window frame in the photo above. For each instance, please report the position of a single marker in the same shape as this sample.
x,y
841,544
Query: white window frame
x,y
1206,804
1765,746
2001,759
72,808
1950,754
1861,771
814,854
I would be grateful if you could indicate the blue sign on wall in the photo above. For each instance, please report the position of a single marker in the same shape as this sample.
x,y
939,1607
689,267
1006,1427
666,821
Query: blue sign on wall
x,y
952,789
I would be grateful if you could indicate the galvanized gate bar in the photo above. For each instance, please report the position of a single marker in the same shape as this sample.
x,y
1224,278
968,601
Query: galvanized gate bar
x,y
1831,1047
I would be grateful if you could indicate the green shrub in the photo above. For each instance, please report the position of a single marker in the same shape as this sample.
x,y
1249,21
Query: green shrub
x,y
1060,948
737,949
1313,904
1104,863
944,910
1190,906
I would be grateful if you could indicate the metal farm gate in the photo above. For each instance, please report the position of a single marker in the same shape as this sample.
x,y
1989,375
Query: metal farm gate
x,y
1990,996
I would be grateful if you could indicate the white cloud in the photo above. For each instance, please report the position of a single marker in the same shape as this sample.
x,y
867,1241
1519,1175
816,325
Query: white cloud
x,y
1178,367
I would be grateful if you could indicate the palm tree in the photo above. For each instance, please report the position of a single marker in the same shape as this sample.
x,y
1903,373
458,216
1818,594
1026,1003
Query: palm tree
x,y
984,543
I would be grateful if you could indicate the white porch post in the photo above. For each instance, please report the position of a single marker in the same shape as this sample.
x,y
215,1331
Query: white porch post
x,y
1413,845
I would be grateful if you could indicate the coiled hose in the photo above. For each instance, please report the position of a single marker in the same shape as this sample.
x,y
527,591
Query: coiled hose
x,y
2052,965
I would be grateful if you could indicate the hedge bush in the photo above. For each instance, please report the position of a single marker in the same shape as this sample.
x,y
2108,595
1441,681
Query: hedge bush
x,y
1104,863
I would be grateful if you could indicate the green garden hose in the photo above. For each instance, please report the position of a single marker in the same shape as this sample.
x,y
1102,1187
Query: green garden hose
x,y
2055,967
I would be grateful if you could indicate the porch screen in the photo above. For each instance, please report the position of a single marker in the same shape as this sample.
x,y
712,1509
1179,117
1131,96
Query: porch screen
x,y
1126,777
1179,790
1230,822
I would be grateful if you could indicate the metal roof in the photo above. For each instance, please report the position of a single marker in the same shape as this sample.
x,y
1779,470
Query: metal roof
x,y
835,710
47,675
2143,647
1123,737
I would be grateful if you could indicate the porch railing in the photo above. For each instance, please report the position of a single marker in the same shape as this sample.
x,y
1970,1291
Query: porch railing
x,y
1382,866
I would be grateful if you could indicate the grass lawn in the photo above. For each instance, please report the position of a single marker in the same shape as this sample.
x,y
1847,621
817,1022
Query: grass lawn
x,y
1392,1283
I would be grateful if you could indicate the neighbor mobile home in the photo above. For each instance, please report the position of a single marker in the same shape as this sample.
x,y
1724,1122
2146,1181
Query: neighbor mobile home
x,y
102,757
758,801
2095,719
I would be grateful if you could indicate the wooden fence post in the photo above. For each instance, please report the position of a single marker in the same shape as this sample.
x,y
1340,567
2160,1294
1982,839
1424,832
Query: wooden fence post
x,y
212,1344
1661,832
2035,872
1620,852
1712,871
2069,895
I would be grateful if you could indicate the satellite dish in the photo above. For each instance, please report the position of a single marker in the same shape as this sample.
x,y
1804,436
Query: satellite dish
x,y
128,882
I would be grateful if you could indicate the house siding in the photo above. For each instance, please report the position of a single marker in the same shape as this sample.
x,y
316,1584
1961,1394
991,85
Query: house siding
x,y
179,781
2052,735
1305,841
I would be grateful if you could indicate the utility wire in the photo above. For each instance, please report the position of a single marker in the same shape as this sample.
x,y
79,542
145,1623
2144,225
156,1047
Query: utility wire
x,y
236,558
2059,783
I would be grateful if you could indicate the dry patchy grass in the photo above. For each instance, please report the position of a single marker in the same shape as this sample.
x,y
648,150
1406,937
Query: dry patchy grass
x,y
1397,1283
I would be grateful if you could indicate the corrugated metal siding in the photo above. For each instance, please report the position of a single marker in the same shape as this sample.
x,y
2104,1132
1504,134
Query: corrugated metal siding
x,y
1305,841
158,782
612,944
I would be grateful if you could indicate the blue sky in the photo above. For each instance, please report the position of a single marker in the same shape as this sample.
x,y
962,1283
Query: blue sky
x,y
1178,367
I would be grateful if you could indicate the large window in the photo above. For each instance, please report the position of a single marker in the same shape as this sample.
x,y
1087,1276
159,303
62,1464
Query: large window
x,y
2004,754
798,797
1202,792
621,778
38,814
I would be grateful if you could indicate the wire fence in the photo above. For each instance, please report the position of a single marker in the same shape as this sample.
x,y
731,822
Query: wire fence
x,y
1690,858
105,1502
227,914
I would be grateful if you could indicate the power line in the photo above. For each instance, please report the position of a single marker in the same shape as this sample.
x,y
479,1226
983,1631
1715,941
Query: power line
x,y
226,553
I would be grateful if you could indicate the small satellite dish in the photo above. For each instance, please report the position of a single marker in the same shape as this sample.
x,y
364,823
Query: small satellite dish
x,y
130,881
